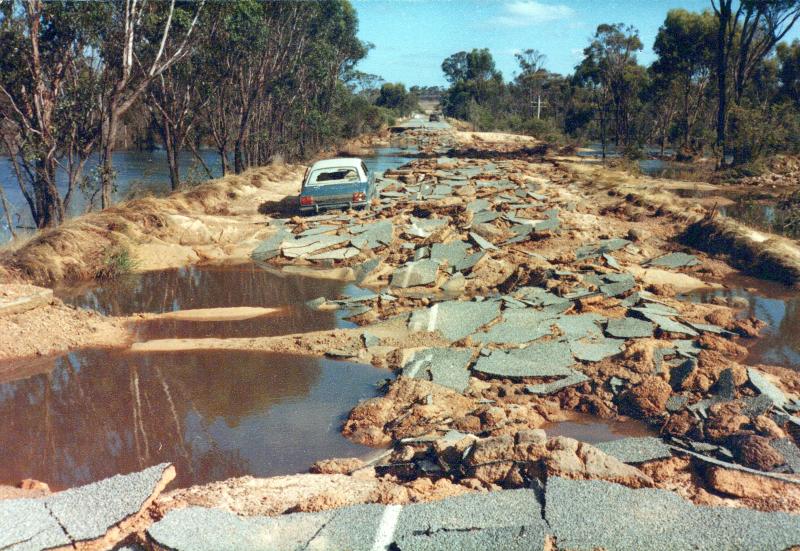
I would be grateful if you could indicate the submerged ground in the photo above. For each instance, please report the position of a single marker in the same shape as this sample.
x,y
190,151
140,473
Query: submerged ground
x,y
532,339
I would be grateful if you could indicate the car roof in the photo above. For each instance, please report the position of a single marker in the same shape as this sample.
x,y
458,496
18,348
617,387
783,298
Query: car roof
x,y
339,162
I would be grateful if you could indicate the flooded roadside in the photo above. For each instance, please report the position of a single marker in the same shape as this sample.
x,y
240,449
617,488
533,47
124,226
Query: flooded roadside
x,y
593,430
775,304
213,414
224,286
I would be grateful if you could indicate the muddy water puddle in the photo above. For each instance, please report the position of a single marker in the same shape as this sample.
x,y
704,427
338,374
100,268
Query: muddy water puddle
x,y
214,414
198,287
592,430
772,303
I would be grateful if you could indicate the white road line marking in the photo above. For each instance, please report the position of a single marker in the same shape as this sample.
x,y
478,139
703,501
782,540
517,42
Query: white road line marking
x,y
433,315
385,534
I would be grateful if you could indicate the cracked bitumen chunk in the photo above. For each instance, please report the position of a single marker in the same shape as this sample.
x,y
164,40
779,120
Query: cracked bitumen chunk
x,y
737,467
422,272
484,217
611,261
369,339
519,326
756,405
89,511
790,452
618,287
270,247
27,525
518,538
422,252
551,224
537,296
298,248
602,247
765,387
366,268
678,375
543,389
674,260
686,347
676,403
580,326
653,308
591,514
454,319
468,263
666,324
471,513
372,235
478,205
636,450
199,529
443,366
546,359
629,328
336,254
725,387
317,230
595,351
484,244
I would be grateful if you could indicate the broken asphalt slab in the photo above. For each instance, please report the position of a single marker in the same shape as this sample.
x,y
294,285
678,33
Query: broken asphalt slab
x,y
581,514
422,272
587,515
547,359
636,450
85,514
454,319
674,260
443,366
88,512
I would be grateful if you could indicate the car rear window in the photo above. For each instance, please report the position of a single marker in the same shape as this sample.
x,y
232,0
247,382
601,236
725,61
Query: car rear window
x,y
341,175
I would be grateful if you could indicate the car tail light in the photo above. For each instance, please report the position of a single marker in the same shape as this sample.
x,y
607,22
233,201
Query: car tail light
x,y
306,200
359,196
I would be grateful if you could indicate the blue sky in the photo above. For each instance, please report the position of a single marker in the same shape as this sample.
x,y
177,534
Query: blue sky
x,y
412,37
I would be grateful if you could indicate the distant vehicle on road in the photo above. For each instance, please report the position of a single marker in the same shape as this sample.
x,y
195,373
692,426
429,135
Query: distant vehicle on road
x,y
343,183
435,117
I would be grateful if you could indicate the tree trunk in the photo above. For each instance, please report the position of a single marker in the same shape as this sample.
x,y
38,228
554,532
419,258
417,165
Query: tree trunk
x,y
47,197
170,144
722,79
106,157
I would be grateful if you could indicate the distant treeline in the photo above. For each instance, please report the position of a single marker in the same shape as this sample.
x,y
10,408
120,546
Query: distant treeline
x,y
253,79
723,83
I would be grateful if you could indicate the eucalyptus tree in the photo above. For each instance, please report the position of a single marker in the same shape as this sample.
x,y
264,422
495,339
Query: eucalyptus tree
x,y
747,32
685,46
48,102
139,42
610,65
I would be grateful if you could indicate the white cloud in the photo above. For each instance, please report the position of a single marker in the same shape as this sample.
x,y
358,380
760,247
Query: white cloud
x,y
524,13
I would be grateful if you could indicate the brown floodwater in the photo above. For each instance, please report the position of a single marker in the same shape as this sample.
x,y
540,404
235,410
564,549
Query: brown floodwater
x,y
773,303
592,430
91,414
213,287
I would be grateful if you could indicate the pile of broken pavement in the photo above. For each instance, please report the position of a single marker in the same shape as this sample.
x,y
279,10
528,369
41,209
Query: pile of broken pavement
x,y
498,322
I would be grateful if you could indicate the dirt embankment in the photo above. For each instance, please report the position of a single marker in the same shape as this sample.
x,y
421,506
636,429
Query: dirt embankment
x,y
218,219
754,252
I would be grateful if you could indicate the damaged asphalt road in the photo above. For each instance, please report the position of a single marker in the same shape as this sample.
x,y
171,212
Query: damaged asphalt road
x,y
574,514
506,295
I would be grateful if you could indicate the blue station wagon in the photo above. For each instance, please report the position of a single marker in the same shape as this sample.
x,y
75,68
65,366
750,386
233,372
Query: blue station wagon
x,y
343,183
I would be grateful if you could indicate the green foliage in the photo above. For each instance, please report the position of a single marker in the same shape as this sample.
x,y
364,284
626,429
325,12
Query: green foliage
x,y
397,98
117,262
